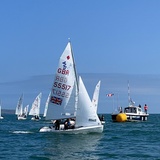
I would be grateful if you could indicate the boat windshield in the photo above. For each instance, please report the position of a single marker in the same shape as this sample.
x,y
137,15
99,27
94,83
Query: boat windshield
x,y
130,110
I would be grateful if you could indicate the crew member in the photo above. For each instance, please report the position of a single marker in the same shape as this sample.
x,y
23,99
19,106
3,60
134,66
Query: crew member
x,y
145,108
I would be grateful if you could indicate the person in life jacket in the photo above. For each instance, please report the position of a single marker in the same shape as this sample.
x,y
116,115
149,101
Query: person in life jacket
x,y
145,108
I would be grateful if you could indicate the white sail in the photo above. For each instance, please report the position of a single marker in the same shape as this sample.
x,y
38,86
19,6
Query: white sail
x,y
62,102
96,95
25,111
46,105
35,109
0,112
86,114
19,108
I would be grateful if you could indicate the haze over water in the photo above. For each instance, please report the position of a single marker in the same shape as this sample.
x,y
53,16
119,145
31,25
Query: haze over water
x,y
143,89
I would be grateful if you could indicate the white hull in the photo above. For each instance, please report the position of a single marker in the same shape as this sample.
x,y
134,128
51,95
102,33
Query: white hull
x,y
90,129
35,119
103,122
1,117
21,118
132,117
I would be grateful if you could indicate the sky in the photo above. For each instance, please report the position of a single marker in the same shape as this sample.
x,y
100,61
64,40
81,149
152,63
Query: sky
x,y
107,36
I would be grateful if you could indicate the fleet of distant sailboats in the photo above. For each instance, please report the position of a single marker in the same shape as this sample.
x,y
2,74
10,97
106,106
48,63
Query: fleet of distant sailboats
x,y
20,112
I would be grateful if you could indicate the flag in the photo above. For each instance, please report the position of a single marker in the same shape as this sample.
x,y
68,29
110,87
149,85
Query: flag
x,y
56,100
110,95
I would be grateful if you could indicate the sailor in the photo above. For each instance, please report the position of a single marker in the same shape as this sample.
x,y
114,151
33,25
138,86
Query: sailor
x,y
69,124
145,108
72,123
57,124
102,117
66,124
120,109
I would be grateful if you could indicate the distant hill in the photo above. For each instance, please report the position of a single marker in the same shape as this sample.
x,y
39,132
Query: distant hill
x,y
8,111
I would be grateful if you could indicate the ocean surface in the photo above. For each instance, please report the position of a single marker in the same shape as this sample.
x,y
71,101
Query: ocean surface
x,y
21,140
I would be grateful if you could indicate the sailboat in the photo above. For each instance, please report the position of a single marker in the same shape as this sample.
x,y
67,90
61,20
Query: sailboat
x,y
0,112
25,111
21,114
46,105
35,109
95,100
19,108
69,101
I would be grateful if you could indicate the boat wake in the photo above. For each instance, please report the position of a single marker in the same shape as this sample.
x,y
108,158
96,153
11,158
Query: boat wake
x,y
21,132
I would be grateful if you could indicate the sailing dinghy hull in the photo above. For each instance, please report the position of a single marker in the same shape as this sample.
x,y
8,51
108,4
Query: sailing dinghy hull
x,y
90,129
35,119
21,118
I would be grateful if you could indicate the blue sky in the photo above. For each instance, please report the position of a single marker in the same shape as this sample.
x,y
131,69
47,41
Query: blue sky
x,y
107,36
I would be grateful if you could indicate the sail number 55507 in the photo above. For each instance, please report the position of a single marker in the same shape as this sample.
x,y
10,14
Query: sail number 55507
x,y
62,86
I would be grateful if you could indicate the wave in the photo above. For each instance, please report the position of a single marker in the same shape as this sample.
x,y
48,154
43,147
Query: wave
x,y
21,132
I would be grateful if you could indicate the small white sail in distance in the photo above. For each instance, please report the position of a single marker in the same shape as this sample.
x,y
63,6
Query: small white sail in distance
x,y
96,95
46,105
19,107
1,111
25,112
35,109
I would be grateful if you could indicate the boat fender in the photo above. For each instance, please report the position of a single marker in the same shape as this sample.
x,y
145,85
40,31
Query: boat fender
x,y
121,117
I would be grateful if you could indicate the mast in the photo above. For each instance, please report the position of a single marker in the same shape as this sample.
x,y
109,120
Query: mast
x,y
129,98
75,71
76,77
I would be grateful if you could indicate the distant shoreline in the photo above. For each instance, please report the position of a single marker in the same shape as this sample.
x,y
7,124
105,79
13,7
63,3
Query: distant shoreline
x,y
8,111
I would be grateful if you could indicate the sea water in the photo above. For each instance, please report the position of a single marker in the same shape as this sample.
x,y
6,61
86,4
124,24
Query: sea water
x,y
126,141
21,139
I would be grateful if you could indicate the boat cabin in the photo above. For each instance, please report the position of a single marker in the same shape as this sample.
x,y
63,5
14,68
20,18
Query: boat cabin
x,y
133,109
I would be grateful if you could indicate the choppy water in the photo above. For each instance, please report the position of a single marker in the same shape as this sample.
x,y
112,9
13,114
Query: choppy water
x,y
137,140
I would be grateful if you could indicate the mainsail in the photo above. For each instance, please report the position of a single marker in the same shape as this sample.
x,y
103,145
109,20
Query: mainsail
x,y
25,111
63,97
19,108
35,109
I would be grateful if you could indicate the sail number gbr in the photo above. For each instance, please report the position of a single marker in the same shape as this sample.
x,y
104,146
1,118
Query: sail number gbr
x,y
62,86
